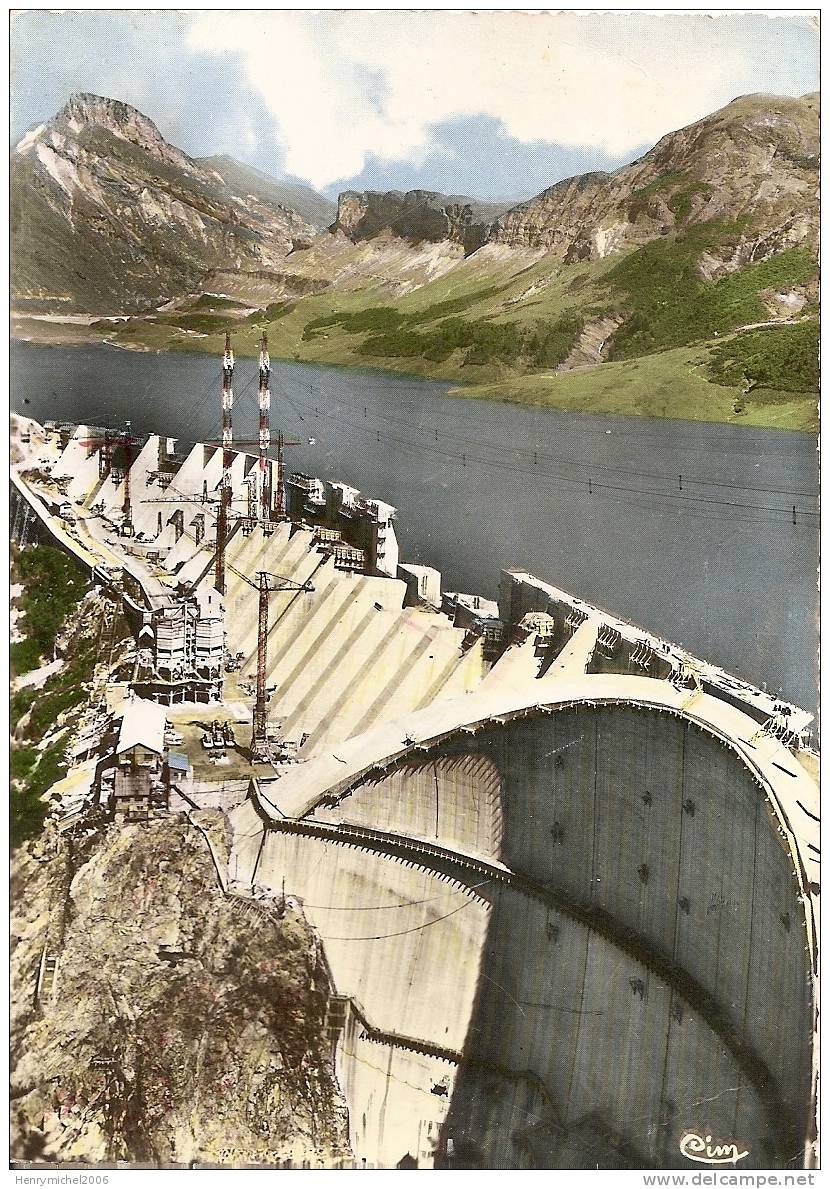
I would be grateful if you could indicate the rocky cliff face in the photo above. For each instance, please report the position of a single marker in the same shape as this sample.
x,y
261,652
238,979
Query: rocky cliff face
x,y
127,123
756,159
107,216
180,1024
418,216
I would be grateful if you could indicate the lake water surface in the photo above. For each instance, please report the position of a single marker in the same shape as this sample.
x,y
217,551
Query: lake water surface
x,y
686,527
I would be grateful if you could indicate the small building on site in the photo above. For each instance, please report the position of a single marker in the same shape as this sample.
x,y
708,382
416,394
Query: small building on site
x,y
423,585
179,772
305,497
133,778
182,650
467,609
480,617
365,526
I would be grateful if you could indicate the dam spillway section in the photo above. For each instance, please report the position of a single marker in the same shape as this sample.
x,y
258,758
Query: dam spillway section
x,y
564,874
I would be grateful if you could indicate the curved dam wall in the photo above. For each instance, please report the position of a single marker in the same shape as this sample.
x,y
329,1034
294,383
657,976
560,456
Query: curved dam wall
x,y
403,943
658,827
455,800
641,974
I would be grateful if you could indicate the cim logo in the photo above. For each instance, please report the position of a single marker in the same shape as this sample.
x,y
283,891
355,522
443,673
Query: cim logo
x,y
701,1149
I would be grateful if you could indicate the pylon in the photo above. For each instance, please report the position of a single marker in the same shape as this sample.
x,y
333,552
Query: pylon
x,y
227,459
264,429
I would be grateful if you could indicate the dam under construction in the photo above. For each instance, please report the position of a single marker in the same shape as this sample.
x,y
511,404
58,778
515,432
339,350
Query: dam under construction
x,y
564,875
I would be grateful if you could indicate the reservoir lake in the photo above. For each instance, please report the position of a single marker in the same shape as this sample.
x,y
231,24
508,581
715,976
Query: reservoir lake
x,y
683,527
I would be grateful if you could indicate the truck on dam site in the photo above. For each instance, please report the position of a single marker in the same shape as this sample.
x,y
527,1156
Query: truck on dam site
x,y
563,875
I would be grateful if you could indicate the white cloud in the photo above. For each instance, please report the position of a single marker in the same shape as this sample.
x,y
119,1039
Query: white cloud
x,y
341,85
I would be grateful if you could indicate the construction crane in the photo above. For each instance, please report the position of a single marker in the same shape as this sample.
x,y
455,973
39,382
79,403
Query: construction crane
x,y
266,584
192,498
200,500
247,518
279,509
106,446
268,506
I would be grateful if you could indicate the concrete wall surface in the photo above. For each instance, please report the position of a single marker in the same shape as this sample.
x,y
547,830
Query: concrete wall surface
x,y
345,655
642,972
398,1099
400,939
454,800
571,1034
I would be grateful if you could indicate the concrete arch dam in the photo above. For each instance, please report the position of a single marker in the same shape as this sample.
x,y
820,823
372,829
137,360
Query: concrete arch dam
x,y
593,905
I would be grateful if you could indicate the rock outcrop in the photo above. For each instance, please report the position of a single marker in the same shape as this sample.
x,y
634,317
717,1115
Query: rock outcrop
x,y
179,1024
591,347
417,216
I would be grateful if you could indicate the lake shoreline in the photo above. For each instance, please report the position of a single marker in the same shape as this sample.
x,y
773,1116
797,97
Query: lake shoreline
x,y
684,527
497,393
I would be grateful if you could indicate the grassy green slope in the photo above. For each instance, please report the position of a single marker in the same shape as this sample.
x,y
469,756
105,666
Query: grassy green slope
x,y
502,330
671,305
52,584
666,384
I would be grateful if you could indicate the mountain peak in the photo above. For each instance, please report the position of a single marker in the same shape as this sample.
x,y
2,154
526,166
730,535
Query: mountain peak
x,y
85,111
87,108
99,198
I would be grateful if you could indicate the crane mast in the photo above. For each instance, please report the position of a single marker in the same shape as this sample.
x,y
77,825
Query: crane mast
x,y
127,527
129,443
279,503
267,584
259,738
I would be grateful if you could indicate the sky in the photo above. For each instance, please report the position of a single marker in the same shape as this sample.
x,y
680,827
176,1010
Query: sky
x,y
497,105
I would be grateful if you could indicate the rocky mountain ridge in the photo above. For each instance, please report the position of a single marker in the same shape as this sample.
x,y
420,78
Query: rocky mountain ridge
x,y
315,208
418,215
107,216
110,219
124,121
756,159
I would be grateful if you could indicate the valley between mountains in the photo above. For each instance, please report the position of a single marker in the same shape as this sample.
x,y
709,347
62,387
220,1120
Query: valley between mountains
x,y
683,285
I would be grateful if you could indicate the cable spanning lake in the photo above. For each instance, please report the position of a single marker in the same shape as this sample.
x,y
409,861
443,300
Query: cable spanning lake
x,y
683,527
